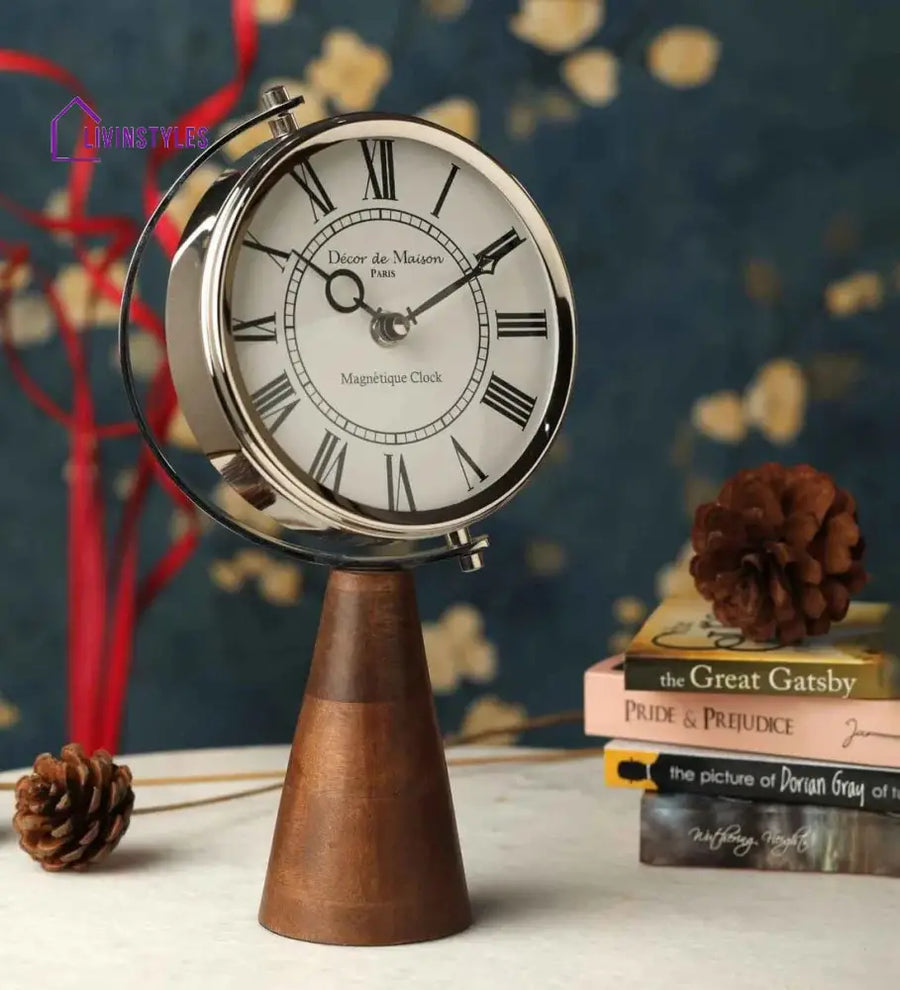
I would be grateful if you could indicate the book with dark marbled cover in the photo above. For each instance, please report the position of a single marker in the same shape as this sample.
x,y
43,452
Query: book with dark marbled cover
x,y
691,830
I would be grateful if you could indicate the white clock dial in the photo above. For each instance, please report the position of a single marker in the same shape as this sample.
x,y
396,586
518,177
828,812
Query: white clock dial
x,y
394,328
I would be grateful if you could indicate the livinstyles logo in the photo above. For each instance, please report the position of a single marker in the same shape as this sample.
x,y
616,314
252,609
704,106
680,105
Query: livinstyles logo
x,y
79,126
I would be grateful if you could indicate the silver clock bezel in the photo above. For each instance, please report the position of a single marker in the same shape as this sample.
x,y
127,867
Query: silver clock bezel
x,y
254,463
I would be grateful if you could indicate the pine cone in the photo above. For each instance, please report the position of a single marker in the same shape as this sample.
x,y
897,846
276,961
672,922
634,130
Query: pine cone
x,y
779,553
72,811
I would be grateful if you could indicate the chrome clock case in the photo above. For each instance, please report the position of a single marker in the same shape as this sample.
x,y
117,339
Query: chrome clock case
x,y
202,359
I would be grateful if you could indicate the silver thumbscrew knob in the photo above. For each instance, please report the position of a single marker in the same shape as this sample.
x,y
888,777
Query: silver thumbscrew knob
x,y
284,123
468,562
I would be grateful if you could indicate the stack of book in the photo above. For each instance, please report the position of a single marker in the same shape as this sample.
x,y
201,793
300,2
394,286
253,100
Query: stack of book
x,y
756,755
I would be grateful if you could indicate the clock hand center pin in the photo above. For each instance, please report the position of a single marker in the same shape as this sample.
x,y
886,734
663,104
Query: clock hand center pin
x,y
390,328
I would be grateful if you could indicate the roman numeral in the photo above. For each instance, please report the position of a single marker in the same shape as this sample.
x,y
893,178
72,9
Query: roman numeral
x,y
329,461
311,184
398,485
522,324
508,400
489,257
261,329
466,464
436,212
275,401
379,156
279,257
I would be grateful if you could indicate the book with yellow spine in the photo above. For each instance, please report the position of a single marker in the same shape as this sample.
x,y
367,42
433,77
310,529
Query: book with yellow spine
x,y
671,769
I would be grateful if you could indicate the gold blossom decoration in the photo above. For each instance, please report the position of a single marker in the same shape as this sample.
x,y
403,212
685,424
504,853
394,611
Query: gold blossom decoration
x,y
231,502
179,434
147,354
683,57
183,521
675,579
545,558
56,207
629,612
83,305
9,714
557,25
273,11
123,482
446,10
856,293
593,76
556,105
490,712
29,320
456,649
457,113
720,416
774,402
529,110
279,582
14,277
349,72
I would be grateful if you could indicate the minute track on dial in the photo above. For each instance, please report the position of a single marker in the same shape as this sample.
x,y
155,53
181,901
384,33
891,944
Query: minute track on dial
x,y
354,386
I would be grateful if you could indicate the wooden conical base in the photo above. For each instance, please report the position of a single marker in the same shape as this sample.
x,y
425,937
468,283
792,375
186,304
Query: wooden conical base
x,y
365,850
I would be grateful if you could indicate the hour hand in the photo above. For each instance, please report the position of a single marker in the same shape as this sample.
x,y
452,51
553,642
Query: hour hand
x,y
344,289
346,293
486,261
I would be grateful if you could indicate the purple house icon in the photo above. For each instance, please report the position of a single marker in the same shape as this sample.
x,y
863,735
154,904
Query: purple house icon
x,y
78,102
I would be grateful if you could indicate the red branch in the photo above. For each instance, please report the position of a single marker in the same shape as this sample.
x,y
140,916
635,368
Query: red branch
x,y
106,596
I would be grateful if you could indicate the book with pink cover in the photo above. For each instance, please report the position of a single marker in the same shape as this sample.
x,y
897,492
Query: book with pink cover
x,y
832,729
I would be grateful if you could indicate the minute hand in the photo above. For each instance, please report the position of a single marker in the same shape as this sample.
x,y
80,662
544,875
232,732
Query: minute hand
x,y
486,261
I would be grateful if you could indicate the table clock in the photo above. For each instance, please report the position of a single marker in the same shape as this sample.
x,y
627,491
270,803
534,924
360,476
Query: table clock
x,y
371,334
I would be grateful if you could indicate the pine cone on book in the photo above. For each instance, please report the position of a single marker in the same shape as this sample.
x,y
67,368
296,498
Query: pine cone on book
x,y
72,811
779,553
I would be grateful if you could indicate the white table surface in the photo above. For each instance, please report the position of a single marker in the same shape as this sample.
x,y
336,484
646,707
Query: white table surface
x,y
559,898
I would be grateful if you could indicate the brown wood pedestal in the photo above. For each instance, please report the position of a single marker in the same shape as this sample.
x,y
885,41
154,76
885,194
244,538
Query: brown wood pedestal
x,y
365,850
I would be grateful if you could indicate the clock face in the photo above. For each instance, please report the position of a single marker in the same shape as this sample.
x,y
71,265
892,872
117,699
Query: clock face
x,y
393,327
